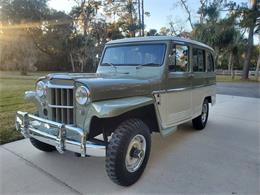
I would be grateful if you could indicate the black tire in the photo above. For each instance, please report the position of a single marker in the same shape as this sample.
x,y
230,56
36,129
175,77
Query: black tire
x,y
42,146
200,122
117,151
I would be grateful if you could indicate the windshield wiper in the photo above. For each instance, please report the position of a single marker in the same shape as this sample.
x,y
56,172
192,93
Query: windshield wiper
x,y
146,64
109,64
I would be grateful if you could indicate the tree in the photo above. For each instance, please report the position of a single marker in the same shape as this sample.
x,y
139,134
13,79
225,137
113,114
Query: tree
x,y
84,51
84,14
188,11
220,33
152,32
234,50
125,15
17,18
250,20
225,36
164,31
88,37
17,52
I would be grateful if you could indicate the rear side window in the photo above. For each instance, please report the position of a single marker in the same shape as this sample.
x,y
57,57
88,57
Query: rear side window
x,y
179,59
198,60
210,64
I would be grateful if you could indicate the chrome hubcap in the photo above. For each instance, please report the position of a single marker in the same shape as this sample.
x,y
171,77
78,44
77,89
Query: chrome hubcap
x,y
204,113
135,153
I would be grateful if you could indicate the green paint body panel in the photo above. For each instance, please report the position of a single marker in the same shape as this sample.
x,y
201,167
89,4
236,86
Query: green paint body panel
x,y
116,107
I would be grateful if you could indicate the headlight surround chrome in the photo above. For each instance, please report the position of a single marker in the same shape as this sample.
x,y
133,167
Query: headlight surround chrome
x,y
82,95
41,89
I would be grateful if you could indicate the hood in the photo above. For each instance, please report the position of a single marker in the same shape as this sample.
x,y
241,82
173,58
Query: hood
x,y
103,86
70,76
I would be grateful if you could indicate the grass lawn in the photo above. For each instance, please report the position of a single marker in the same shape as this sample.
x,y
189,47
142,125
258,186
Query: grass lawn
x,y
227,78
12,88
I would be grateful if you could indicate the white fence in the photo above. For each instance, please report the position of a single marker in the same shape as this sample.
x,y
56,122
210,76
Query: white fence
x,y
236,72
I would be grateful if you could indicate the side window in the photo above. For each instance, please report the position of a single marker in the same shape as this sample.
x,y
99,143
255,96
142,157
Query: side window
x,y
198,59
179,59
210,65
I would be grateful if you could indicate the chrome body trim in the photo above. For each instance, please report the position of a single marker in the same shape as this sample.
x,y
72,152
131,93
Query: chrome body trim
x,y
159,92
29,95
29,125
58,106
181,89
49,85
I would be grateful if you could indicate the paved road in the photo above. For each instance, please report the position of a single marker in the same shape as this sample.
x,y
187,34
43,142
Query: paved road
x,y
223,159
248,89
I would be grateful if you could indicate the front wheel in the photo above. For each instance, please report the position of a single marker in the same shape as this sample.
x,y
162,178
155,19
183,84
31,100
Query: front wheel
x,y
128,152
200,122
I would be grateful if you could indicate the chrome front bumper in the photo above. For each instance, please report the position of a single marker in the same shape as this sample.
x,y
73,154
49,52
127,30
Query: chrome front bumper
x,y
32,126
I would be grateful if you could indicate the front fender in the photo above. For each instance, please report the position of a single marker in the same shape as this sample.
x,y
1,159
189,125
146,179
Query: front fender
x,y
113,108
116,107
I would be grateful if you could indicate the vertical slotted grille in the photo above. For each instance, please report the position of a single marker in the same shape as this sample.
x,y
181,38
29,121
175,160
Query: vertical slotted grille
x,y
62,105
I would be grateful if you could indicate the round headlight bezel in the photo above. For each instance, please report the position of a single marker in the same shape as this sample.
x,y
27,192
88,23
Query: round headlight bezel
x,y
82,95
40,89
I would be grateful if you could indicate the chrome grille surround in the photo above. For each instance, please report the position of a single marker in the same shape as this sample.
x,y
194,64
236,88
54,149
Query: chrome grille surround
x,y
60,103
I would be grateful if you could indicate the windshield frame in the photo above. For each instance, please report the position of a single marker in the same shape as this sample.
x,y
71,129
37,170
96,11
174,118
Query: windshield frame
x,y
135,44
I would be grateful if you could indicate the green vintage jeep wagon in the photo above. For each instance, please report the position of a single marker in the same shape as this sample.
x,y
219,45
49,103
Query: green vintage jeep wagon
x,y
142,85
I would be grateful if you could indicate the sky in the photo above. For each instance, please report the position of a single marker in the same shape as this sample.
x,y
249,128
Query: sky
x,y
162,11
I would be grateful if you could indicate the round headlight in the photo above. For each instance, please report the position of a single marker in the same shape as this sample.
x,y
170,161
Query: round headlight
x,y
40,89
82,95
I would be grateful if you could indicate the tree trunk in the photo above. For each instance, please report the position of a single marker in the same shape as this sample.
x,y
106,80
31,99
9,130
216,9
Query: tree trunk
x,y
249,49
139,18
72,63
81,63
142,17
131,19
257,67
231,65
232,71
230,59
216,57
250,43
202,8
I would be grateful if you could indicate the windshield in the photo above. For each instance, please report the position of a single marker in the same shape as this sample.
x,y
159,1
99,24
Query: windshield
x,y
134,55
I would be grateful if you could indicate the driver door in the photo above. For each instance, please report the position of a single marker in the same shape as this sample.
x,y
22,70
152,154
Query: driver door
x,y
179,84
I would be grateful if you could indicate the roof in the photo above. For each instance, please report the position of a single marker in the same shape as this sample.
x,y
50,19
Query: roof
x,y
158,38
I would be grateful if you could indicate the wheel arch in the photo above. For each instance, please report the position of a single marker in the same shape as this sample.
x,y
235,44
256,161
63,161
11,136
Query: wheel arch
x,y
209,98
107,125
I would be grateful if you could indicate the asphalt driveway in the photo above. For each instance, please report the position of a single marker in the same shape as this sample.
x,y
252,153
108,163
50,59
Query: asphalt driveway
x,y
245,89
223,158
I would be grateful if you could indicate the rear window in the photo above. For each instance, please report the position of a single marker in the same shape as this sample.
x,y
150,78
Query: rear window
x,y
210,64
198,60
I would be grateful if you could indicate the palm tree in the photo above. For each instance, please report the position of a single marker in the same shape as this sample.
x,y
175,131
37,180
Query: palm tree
x,y
249,21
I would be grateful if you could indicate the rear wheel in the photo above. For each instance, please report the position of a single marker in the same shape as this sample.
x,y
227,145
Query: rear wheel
x,y
128,152
200,122
42,146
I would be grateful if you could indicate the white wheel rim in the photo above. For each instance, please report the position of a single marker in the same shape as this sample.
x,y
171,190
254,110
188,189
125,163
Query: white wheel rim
x,y
135,153
204,113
